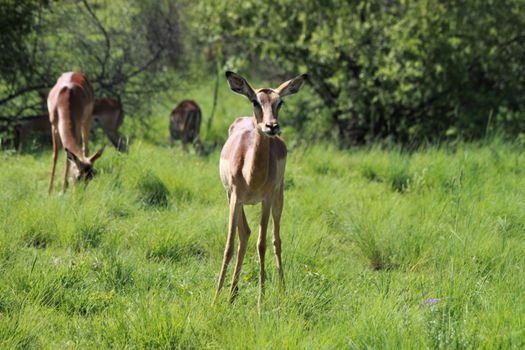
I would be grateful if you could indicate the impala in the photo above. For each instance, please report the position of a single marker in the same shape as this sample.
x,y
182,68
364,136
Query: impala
x,y
108,115
185,123
18,129
252,167
28,125
70,105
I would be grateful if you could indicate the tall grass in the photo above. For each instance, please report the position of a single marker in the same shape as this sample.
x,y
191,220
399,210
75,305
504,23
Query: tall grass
x,y
382,249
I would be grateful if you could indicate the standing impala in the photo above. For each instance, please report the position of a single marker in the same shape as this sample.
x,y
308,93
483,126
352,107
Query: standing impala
x,y
70,105
252,170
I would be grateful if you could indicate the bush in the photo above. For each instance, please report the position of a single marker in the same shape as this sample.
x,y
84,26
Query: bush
x,y
397,70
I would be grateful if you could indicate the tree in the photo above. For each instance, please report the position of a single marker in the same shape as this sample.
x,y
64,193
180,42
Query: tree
x,y
402,70
18,20
121,46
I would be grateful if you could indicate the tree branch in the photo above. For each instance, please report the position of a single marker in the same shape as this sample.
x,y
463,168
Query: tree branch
x,y
139,70
104,32
23,91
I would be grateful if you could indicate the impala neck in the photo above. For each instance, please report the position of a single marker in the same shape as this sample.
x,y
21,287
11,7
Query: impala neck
x,y
259,158
66,129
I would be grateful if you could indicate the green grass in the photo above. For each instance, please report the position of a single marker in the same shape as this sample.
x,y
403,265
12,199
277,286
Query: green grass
x,y
369,237
381,248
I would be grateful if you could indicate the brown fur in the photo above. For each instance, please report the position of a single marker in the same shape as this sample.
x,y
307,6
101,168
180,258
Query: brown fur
x,y
252,165
26,126
70,105
185,123
18,129
108,115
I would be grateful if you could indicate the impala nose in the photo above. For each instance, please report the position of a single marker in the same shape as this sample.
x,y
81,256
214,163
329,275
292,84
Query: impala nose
x,y
273,128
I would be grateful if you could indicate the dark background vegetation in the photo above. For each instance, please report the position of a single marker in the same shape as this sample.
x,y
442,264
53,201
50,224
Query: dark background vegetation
x,y
391,70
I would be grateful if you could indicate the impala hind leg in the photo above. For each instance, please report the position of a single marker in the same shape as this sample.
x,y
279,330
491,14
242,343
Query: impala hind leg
x,y
244,234
277,209
228,249
261,246
66,174
54,138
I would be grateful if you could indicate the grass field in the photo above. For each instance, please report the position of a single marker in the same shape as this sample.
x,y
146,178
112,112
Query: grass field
x,y
381,248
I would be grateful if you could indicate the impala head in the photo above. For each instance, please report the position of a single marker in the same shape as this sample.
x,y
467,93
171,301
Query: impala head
x,y
82,168
266,102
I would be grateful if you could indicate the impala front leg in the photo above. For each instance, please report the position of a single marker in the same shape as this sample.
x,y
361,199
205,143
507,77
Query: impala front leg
x,y
54,137
114,137
261,246
277,209
228,249
66,175
85,139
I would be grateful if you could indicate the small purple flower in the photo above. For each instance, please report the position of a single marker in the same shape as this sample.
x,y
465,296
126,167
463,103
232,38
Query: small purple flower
x,y
429,302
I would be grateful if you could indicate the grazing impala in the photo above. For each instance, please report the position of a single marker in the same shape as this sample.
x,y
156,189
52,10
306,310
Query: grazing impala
x,y
252,170
28,125
70,105
108,115
185,123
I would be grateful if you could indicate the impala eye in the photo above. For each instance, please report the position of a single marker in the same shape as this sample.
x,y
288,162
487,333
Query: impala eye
x,y
280,104
256,103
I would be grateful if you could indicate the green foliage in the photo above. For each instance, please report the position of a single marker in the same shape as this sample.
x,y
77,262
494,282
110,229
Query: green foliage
x,y
400,70
121,47
16,20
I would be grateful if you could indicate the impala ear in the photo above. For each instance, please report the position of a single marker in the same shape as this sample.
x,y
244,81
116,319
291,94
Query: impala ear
x,y
72,157
239,85
292,86
97,155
